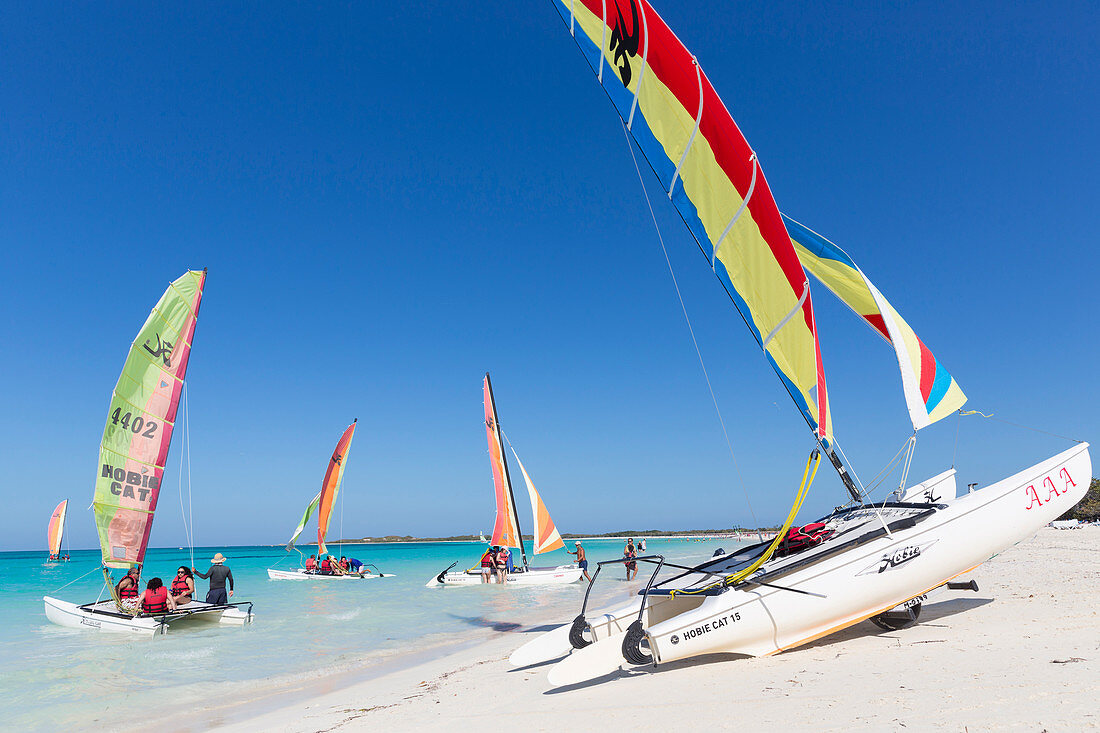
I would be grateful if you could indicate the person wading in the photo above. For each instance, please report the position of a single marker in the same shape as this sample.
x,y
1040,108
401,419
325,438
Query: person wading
x,y
582,563
218,574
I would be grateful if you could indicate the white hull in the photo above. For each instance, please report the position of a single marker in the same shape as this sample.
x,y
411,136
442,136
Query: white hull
x,y
301,574
102,616
533,576
873,574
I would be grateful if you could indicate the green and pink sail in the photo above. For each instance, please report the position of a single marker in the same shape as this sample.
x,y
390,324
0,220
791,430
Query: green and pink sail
x,y
140,421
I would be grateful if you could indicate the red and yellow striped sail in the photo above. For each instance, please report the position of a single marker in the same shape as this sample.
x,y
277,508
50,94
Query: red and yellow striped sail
x,y
505,528
547,537
56,528
140,420
330,487
714,179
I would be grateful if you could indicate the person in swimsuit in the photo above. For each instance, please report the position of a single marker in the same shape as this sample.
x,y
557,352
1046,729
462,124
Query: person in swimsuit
x,y
183,587
582,563
630,552
503,558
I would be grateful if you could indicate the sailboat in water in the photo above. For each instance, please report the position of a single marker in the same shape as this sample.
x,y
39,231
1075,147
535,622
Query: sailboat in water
x,y
132,455
877,561
506,531
55,533
323,503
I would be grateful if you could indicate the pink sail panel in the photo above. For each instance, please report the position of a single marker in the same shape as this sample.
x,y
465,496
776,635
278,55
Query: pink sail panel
x,y
506,528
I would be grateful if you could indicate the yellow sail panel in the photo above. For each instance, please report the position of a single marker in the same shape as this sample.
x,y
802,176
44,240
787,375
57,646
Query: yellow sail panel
x,y
330,487
56,528
506,527
547,537
140,420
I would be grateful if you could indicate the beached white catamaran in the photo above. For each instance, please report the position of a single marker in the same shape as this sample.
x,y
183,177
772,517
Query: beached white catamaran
x,y
55,533
506,531
324,503
875,561
132,455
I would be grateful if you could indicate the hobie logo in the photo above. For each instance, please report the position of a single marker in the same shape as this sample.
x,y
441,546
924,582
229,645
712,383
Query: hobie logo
x,y
162,352
674,639
624,44
896,558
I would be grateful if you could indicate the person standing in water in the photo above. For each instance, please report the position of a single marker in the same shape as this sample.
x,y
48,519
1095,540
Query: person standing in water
x,y
488,560
218,574
582,563
630,552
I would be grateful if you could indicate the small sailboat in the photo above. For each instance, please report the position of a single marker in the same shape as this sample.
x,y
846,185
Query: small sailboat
x,y
55,533
506,531
133,451
323,503
876,560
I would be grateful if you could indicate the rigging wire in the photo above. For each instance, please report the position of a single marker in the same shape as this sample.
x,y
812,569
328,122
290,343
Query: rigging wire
x,y
691,330
188,520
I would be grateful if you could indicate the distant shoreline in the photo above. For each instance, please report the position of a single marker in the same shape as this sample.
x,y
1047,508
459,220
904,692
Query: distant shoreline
x,y
693,534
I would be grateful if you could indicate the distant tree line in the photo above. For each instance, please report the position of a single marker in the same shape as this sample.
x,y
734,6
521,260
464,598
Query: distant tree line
x,y
1088,509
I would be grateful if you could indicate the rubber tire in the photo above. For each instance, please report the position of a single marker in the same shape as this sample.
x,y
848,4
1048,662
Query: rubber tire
x,y
895,620
576,633
632,645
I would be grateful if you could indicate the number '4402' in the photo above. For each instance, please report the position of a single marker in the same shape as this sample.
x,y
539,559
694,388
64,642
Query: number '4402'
x,y
135,424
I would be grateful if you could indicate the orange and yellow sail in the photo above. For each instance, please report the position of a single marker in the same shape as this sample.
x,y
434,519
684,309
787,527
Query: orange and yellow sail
x,y
506,527
56,528
330,487
140,420
547,537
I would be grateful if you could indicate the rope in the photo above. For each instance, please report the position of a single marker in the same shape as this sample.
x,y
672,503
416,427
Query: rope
x,y
188,521
1018,425
691,330
82,577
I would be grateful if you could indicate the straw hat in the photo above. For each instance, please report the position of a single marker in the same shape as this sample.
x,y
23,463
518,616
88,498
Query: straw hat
x,y
218,557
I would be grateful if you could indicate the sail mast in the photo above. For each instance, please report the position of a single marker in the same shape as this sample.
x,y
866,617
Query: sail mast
x,y
496,433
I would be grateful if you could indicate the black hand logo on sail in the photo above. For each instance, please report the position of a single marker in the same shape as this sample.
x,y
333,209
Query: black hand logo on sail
x,y
337,458
163,350
625,46
489,424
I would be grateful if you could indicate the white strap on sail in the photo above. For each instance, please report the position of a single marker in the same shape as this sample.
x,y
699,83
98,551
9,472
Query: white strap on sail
x,y
694,132
740,209
789,316
641,74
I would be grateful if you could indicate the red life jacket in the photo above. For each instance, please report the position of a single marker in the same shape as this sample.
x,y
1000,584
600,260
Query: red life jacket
x,y
803,538
155,601
311,564
180,587
326,566
131,592
487,559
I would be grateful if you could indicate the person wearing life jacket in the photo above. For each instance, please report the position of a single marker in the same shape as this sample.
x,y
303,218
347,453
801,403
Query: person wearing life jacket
x,y
343,563
326,566
127,588
311,564
183,587
156,599
503,559
488,562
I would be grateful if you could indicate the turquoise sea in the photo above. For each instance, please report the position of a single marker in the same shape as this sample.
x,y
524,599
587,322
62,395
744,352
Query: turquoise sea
x,y
53,677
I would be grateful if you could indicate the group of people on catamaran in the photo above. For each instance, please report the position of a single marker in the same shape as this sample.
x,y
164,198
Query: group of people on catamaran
x,y
329,565
496,563
160,599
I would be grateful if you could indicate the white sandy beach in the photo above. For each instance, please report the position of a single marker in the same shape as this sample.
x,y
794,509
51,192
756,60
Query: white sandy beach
x,y
1021,654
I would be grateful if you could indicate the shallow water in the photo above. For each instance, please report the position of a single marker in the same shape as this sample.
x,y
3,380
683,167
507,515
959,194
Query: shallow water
x,y
52,676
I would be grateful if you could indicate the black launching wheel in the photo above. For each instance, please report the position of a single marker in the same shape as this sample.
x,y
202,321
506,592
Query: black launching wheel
x,y
576,633
895,619
632,645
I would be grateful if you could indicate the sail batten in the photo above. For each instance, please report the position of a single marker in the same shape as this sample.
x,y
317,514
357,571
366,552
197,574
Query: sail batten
x,y
140,422
330,487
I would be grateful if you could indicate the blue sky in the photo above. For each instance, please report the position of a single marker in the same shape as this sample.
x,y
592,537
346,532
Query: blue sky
x,y
393,200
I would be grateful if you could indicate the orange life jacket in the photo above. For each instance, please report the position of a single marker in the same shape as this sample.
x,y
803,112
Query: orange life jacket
x,y
131,592
180,587
155,601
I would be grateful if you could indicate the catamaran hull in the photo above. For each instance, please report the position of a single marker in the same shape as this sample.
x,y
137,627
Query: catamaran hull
x,y
99,617
848,587
303,575
535,576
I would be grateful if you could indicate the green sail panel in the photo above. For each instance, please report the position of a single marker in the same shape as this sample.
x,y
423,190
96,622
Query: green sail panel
x,y
140,420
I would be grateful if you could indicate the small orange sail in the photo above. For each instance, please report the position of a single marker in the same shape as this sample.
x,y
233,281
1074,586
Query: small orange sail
x,y
547,537
330,487
56,528
506,528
